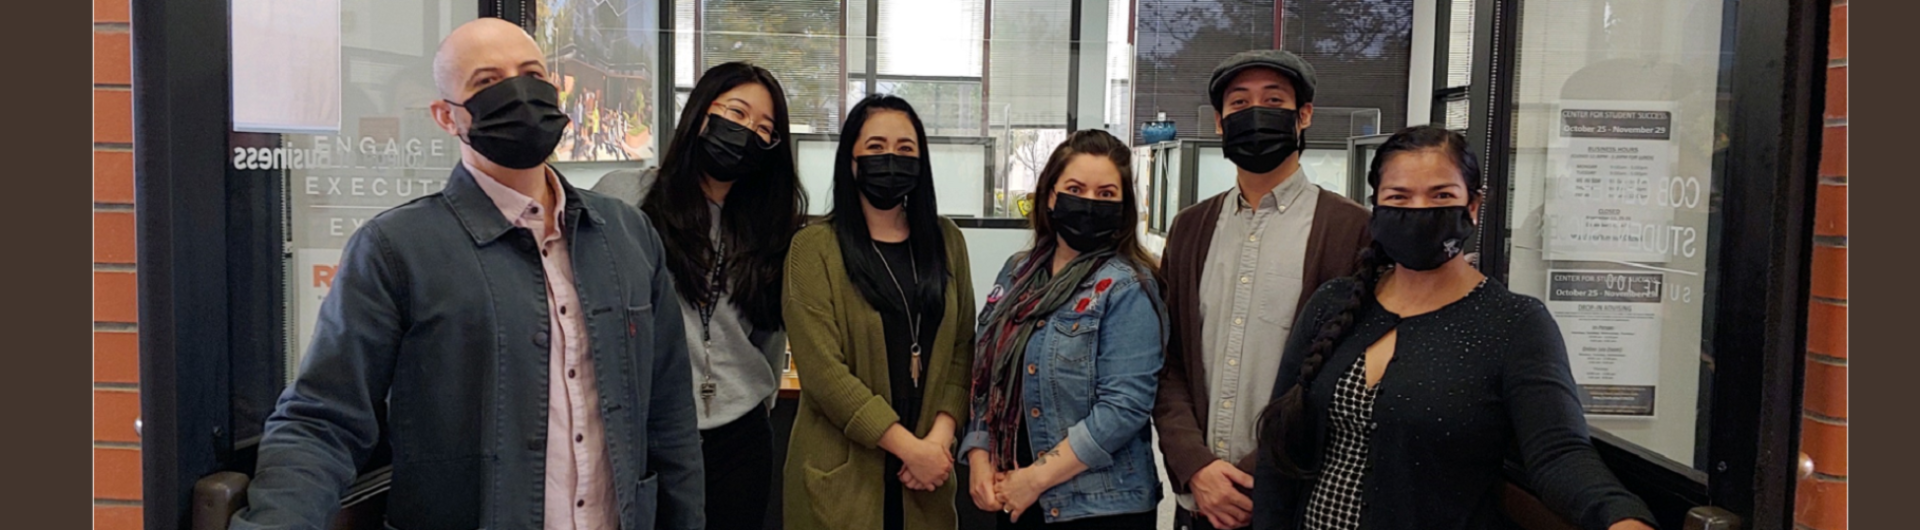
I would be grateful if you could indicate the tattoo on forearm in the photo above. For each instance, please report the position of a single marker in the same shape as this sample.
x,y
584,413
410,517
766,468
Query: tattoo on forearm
x,y
1042,459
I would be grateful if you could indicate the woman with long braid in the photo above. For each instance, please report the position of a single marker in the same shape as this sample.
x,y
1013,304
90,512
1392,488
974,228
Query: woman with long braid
x,y
1478,372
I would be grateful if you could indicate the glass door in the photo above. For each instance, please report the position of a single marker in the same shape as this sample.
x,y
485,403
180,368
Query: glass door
x,y
1610,216
267,132
1646,173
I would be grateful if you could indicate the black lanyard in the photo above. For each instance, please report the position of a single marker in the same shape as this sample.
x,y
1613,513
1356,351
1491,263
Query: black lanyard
x,y
716,284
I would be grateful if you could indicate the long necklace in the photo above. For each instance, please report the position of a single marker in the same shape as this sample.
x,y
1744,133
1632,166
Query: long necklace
x,y
914,365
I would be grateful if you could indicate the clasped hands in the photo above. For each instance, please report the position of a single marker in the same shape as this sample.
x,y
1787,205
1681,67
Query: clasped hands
x,y
1012,492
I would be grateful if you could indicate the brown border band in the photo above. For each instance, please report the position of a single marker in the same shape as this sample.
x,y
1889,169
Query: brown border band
x,y
1882,222
46,383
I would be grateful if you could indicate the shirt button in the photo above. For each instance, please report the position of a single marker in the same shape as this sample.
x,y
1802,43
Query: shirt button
x,y
1233,362
563,310
1254,238
540,339
1055,512
1226,404
1237,321
1031,368
1036,412
570,374
578,438
580,504
1220,445
1040,325
1246,279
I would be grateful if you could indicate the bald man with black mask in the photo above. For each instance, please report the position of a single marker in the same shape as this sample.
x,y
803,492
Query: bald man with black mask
x,y
520,334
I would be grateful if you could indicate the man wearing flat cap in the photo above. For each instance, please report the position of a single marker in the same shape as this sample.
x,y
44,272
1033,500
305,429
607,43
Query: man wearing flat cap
x,y
1239,265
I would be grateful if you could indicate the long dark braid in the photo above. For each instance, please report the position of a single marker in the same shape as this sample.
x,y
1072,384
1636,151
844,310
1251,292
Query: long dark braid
x,y
1283,421
1277,420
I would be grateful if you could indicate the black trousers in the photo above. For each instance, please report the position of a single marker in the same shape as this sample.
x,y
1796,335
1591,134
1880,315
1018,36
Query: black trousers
x,y
1035,520
1185,520
739,469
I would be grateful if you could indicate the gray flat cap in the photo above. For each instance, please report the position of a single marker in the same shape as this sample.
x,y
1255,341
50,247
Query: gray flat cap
x,y
1285,62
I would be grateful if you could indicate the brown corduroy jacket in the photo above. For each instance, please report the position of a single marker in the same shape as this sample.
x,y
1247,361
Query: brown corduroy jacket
x,y
1334,241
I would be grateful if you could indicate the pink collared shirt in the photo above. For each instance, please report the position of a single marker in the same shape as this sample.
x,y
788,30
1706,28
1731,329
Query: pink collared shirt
x,y
579,493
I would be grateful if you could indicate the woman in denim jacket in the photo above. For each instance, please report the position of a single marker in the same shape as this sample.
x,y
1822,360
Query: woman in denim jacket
x,y
1069,349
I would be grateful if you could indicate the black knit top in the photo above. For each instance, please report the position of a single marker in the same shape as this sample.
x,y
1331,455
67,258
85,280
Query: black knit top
x,y
1470,385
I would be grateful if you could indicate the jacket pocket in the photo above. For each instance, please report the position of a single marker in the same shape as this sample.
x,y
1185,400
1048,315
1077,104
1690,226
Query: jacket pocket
x,y
432,491
646,501
388,525
1095,482
639,322
1074,338
1070,369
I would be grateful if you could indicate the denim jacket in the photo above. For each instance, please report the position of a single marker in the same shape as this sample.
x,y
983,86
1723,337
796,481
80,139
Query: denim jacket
x,y
1091,377
434,338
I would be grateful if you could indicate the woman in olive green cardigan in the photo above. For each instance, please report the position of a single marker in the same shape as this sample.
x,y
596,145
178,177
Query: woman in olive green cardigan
x,y
879,314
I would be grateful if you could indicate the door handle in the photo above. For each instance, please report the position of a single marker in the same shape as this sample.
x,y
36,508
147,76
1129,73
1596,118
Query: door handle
x,y
1711,518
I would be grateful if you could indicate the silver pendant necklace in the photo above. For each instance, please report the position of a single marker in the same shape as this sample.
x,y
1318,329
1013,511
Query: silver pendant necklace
x,y
913,366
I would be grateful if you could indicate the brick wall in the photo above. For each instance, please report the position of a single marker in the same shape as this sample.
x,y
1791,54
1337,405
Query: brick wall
x,y
1822,503
116,357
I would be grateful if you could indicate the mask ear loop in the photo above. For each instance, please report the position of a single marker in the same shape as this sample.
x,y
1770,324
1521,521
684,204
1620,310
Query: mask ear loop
x,y
1479,236
463,134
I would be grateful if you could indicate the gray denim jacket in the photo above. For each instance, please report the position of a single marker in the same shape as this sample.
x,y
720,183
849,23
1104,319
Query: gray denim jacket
x,y
437,322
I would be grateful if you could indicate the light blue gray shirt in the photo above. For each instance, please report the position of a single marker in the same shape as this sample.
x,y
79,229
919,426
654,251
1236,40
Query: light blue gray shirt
x,y
743,363
1248,288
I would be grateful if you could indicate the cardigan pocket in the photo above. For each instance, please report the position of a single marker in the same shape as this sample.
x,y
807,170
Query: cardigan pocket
x,y
835,493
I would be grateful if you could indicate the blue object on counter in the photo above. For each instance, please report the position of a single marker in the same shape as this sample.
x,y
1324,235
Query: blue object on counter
x,y
1157,131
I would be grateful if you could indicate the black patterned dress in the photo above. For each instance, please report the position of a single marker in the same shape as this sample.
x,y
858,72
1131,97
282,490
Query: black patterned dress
x,y
1336,503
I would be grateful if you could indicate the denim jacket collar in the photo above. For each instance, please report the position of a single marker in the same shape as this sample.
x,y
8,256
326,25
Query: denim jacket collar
x,y
481,217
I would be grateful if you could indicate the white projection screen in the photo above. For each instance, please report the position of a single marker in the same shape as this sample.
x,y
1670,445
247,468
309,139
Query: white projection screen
x,y
286,66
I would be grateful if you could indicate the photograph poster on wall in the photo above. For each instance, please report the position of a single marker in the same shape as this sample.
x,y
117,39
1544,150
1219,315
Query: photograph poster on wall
x,y
601,53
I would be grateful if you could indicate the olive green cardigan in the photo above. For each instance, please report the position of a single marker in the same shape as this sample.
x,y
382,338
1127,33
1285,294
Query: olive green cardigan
x,y
834,471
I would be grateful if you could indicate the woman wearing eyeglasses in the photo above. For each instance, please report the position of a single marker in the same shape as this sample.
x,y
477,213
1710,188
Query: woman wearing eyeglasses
x,y
726,202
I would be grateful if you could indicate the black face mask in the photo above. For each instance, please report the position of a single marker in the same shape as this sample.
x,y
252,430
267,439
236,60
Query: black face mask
x,y
1085,224
1421,239
730,151
1258,139
886,179
516,122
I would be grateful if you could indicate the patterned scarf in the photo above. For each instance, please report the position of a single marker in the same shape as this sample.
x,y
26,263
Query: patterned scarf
x,y
1002,346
